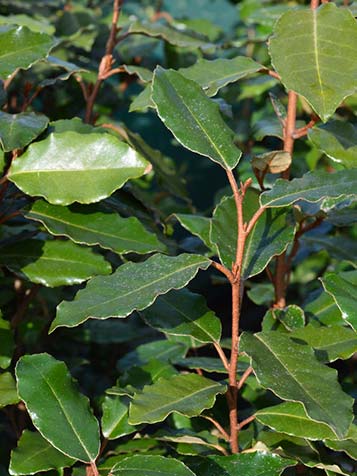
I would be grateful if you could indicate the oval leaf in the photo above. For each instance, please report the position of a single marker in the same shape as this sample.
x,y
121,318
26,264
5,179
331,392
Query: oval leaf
x,y
72,167
35,454
193,119
188,395
18,130
54,262
8,392
324,70
60,413
311,187
134,286
150,465
183,313
115,418
21,48
292,372
85,225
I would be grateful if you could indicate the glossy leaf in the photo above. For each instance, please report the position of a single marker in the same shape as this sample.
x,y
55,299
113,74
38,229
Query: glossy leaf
x,y
292,372
247,464
287,319
53,262
329,343
348,445
322,311
134,286
21,48
102,163
291,418
115,418
7,343
8,392
35,454
85,225
185,314
60,413
193,119
323,71
172,35
208,364
343,292
213,75
311,187
186,394
18,130
270,236
338,140
150,465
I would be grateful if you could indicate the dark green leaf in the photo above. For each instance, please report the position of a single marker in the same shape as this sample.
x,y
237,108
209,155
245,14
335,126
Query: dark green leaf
x,y
134,286
290,318
312,187
8,393
53,262
338,140
102,163
323,71
35,454
151,465
18,130
269,237
115,418
185,314
197,225
89,226
291,418
57,409
292,372
188,395
212,75
194,119
21,48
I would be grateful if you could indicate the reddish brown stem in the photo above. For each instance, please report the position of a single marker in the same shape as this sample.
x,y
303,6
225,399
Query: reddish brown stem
x,y
222,355
245,422
314,4
219,427
304,130
233,386
106,62
228,274
244,377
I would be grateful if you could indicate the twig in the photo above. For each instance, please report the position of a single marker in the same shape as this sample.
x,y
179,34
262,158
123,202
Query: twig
x,y
223,270
254,219
304,130
270,72
245,422
223,432
244,377
222,355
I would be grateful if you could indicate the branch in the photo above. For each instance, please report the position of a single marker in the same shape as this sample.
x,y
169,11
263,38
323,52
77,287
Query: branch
x,y
245,422
222,355
244,377
254,219
304,130
223,270
218,426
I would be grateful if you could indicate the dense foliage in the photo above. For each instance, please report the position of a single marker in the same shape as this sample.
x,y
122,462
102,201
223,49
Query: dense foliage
x,y
178,237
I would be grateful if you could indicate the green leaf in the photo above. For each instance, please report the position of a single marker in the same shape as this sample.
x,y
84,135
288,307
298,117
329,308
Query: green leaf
x,y
291,418
183,37
53,262
39,24
208,364
60,413
8,393
162,350
323,311
21,48
197,225
329,343
338,140
247,464
348,445
293,373
87,225
18,130
183,313
142,101
115,418
193,119
287,319
102,163
213,75
324,71
150,465
145,75
343,292
311,187
7,344
34,454
187,395
269,237
134,286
